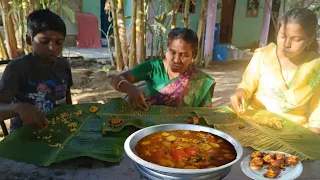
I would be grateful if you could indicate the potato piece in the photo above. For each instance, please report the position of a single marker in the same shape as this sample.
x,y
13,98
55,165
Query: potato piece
x,y
191,167
165,134
215,145
166,162
145,142
171,138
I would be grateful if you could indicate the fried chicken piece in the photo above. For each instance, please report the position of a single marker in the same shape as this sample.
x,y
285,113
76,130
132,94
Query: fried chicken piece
x,y
256,154
280,156
278,163
193,120
115,122
94,109
272,172
268,157
292,160
256,163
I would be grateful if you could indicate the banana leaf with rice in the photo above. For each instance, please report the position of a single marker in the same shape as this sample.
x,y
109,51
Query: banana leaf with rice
x,y
67,136
263,130
82,135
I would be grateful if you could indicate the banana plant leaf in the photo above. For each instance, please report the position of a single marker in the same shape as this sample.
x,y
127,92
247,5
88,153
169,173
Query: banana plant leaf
x,y
141,119
62,140
278,134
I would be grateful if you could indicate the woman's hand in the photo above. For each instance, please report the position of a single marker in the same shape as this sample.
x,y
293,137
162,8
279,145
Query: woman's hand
x,y
31,116
137,99
315,130
238,100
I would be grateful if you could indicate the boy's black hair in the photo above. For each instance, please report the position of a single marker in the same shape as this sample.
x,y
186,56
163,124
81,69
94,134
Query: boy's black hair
x,y
42,20
185,34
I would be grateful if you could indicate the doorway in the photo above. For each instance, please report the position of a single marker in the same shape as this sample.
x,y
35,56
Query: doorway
x,y
105,23
226,22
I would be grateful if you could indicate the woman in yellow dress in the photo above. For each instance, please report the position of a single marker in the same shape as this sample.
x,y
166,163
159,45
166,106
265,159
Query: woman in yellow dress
x,y
284,78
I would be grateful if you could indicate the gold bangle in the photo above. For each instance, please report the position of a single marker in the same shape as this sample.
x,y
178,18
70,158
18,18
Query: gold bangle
x,y
123,80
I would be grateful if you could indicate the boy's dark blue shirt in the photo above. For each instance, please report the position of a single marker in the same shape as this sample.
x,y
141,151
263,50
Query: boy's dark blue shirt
x,y
43,87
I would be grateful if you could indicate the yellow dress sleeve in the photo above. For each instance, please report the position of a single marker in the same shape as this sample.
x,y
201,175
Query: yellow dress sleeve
x,y
251,76
314,118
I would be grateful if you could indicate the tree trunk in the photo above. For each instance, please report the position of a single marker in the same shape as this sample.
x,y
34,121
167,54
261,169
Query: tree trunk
x,y
116,37
123,33
140,32
201,26
3,49
36,5
11,41
186,14
111,51
174,14
57,8
133,44
161,45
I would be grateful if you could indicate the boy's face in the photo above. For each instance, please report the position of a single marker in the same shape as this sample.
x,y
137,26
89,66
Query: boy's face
x,y
47,45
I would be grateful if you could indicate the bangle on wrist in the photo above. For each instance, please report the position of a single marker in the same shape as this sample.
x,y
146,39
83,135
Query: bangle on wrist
x,y
123,80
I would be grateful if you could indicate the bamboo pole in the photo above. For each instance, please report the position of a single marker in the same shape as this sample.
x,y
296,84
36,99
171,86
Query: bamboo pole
x,y
133,44
119,58
201,26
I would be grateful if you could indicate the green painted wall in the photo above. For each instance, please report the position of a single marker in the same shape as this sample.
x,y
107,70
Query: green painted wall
x,y
246,31
92,6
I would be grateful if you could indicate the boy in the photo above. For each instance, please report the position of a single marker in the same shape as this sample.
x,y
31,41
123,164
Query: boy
x,y
38,82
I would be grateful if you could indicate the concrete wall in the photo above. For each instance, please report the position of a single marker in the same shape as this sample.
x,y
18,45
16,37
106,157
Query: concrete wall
x,y
92,6
246,30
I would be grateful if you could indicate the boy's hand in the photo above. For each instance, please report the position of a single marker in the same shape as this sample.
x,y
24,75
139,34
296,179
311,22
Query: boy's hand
x,y
31,116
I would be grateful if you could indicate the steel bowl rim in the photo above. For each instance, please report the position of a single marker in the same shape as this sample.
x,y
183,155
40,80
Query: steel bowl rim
x,y
156,167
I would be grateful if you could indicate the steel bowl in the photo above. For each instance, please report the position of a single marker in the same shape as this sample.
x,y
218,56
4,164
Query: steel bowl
x,y
154,171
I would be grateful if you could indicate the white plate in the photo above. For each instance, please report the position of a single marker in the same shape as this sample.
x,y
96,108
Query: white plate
x,y
289,174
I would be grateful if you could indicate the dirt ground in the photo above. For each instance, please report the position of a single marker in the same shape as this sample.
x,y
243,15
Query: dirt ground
x,y
92,85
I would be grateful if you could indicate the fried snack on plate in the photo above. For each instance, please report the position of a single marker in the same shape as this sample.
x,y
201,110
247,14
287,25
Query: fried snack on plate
x,y
268,157
257,154
272,172
94,109
292,160
280,156
278,163
256,163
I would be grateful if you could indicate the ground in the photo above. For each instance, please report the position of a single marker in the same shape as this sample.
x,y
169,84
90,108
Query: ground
x,y
91,84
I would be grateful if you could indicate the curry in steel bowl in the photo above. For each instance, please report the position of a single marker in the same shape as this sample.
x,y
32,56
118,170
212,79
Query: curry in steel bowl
x,y
185,149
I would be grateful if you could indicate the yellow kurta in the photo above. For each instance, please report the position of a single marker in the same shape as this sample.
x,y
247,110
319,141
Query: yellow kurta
x,y
266,87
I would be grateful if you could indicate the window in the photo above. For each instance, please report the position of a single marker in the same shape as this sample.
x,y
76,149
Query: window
x,y
192,6
252,8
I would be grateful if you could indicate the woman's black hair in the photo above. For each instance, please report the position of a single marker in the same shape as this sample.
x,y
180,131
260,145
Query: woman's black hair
x,y
185,34
42,20
307,19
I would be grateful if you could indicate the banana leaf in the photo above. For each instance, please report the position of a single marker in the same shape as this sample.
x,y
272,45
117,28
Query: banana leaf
x,y
248,130
58,143
141,119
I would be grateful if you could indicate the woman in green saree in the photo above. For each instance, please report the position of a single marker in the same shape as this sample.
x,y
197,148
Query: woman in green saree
x,y
172,81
